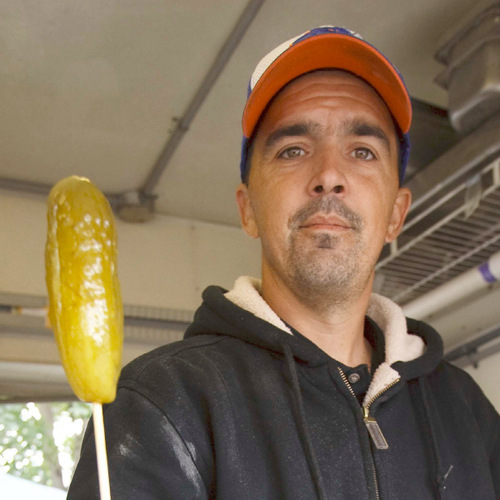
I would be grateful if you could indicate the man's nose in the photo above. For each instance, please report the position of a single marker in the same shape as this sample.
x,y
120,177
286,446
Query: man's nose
x,y
328,175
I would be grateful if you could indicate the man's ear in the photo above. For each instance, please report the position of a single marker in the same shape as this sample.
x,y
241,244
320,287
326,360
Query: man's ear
x,y
247,215
399,212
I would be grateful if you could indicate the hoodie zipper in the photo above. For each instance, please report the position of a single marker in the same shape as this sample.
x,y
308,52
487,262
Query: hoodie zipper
x,y
371,424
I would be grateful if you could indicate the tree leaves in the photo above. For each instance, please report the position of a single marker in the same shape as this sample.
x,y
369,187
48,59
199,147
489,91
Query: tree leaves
x,y
41,441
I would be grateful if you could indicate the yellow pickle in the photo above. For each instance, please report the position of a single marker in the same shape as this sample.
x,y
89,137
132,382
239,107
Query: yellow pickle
x,y
85,306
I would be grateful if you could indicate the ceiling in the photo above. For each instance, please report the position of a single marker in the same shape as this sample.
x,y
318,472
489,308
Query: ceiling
x,y
97,88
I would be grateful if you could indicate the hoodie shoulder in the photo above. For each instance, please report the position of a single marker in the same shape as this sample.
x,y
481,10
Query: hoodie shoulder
x,y
163,355
432,355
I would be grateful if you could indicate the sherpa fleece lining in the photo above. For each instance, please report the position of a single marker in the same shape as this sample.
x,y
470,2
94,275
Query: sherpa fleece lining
x,y
399,344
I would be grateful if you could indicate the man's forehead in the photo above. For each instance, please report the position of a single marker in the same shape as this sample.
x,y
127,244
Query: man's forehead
x,y
286,104
328,76
325,74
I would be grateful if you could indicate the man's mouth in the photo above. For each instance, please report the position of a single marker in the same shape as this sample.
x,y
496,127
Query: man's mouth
x,y
326,214
328,222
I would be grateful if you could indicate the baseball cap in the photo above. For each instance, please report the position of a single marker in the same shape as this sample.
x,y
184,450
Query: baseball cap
x,y
326,47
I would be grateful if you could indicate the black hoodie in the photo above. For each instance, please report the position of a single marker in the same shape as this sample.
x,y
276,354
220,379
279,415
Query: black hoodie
x,y
242,409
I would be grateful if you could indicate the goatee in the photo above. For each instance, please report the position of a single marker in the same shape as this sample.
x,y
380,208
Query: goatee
x,y
320,268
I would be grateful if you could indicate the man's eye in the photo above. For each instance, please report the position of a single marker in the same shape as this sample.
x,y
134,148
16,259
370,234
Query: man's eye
x,y
363,154
292,152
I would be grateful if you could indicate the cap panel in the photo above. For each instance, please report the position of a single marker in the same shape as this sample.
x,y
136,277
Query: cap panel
x,y
268,59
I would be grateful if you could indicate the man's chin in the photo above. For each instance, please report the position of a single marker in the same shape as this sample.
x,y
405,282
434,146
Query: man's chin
x,y
321,274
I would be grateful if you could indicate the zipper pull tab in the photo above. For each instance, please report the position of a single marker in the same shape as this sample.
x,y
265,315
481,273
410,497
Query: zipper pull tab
x,y
374,430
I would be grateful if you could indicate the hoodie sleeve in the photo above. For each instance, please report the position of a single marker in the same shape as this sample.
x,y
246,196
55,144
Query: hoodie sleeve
x,y
147,456
489,422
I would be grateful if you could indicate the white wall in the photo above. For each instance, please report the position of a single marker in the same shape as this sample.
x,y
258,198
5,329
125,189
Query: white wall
x,y
486,375
165,262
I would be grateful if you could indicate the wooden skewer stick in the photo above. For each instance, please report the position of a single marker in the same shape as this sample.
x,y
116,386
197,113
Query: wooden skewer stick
x,y
100,446
85,308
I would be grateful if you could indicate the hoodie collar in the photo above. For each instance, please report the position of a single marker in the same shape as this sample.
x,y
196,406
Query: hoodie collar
x,y
400,345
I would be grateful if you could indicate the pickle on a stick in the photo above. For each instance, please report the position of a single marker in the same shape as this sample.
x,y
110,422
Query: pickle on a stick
x,y
85,307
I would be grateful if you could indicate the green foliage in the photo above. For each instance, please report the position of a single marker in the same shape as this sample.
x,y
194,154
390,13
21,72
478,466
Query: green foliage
x,y
41,441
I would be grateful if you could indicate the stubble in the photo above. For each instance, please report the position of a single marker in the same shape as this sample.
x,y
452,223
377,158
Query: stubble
x,y
323,268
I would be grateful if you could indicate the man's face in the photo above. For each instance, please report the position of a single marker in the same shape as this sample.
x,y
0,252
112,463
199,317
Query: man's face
x,y
323,191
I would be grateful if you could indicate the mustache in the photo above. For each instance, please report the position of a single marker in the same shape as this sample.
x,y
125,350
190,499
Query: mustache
x,y
326,206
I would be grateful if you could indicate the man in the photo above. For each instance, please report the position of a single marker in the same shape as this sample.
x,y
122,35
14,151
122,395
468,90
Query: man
x,y
305,384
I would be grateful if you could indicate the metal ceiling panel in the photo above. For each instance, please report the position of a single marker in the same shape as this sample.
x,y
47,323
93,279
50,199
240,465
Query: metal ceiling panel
x,y
93,87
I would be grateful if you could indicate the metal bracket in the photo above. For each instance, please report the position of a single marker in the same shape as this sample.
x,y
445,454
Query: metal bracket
x,y
473,194
134,206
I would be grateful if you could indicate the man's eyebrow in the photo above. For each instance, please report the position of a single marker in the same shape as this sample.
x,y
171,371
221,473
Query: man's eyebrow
x,y
363,129
295,129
